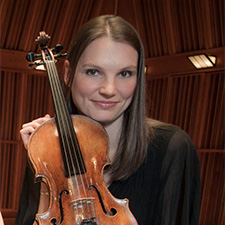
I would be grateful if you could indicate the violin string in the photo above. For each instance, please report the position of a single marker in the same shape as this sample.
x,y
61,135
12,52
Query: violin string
x,y
71,131
54,95
66,125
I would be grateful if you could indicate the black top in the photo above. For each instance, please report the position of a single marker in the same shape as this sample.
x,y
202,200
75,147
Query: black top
x,y
165,190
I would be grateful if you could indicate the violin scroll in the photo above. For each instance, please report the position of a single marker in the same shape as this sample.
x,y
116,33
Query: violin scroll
x,y
43,40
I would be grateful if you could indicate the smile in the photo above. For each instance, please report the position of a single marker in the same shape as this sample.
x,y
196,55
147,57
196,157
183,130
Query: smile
x,y
105,105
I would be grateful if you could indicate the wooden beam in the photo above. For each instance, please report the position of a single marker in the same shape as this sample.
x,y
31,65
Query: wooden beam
x,y
15,61
156,67
179,63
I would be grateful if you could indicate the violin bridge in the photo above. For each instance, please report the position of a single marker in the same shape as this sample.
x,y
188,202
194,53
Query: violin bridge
x,y
84,211
81,202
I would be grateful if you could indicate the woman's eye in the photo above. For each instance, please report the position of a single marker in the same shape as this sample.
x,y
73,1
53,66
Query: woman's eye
x,y
92,72
125,73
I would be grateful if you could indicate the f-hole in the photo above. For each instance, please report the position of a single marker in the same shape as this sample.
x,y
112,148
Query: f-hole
x,y
53,220
113,210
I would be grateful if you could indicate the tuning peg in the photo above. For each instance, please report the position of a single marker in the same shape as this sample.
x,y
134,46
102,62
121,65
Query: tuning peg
x,y
36,64
31,56
60,55
58,48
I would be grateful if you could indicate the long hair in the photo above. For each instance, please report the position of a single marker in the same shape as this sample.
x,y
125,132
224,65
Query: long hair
x,y
132,147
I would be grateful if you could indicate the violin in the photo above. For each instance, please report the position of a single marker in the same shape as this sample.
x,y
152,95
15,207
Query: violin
x,y
69,154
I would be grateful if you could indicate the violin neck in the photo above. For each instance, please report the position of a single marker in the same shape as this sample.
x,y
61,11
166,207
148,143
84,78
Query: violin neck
x,y
73,161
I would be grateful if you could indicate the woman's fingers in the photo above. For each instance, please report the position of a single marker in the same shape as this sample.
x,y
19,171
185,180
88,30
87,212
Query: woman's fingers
x,y
28,128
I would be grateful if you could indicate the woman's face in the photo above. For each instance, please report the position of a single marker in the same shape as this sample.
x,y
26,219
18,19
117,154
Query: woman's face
x,y
105,80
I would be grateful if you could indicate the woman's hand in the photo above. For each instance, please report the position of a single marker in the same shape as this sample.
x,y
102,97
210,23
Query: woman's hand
x,y
28,128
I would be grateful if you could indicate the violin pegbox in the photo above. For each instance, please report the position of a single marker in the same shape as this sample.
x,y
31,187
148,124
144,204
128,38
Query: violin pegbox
x,y
38,59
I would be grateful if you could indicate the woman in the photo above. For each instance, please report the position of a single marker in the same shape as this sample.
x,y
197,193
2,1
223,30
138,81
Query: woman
x,y
154,165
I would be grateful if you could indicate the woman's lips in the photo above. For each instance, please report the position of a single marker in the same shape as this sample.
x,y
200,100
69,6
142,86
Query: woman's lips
x,y
105,105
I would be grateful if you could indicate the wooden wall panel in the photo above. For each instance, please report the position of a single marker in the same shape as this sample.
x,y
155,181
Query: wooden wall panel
x,y
193,102
212,174
23,98
196,104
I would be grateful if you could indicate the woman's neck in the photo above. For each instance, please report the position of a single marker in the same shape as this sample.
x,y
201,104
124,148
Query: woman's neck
x,y
114,131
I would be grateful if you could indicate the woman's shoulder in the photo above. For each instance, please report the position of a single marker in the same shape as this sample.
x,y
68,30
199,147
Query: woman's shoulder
x,y
168,137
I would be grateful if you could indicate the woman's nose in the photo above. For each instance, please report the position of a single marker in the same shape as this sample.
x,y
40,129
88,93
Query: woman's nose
x,y
108,88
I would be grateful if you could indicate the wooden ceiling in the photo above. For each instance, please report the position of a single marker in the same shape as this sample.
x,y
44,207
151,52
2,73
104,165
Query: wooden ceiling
x,y
167,27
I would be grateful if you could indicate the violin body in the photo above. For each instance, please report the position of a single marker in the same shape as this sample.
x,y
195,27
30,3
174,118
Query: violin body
x,y
80,198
